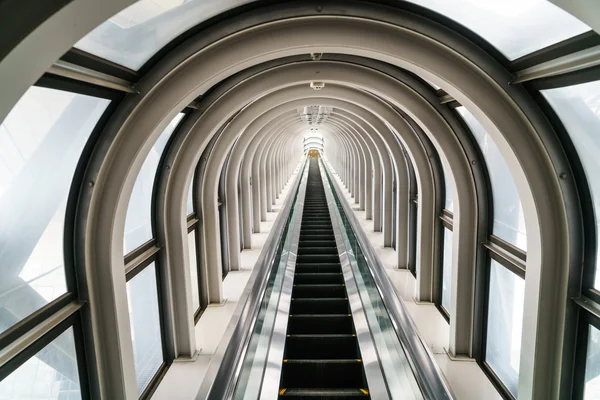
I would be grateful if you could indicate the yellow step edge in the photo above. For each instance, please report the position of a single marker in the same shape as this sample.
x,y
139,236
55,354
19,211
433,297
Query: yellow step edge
x,y
282,391
365,391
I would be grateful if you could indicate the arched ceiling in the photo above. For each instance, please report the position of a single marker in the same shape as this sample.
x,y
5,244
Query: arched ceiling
x,y
373,79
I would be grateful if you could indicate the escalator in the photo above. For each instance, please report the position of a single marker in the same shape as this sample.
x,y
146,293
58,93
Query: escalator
x,y
321,358
320,318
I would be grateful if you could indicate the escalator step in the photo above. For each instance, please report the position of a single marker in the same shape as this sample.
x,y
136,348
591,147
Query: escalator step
x,y
317,232
318,268
318,291
322,373
316,237
320,323
321,347
318,258
323,393
317,243
318,250
319,306
302,278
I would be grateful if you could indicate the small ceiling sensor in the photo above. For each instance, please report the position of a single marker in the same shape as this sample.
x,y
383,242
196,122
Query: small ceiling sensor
x,y
316,56
317,85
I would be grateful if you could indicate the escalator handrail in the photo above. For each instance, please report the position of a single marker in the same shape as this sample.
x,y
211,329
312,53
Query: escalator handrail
x,y
221,376
427,372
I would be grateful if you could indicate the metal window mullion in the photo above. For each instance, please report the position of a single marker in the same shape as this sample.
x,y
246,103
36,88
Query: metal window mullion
x,y
447,222
506,259
136,265
508,247
23,342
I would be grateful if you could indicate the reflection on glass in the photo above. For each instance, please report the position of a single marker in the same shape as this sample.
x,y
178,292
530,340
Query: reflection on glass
x,y
505,324
447,270
142,298
138,223
51,374
515,27
190,200
194,270
579,110
449,186
592,365
40,144
509,221
132,36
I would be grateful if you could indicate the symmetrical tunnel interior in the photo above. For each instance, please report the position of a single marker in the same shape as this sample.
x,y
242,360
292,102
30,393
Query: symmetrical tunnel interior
x,y
143,143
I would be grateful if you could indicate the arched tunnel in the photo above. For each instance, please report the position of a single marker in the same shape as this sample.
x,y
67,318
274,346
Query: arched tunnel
x,y
236,199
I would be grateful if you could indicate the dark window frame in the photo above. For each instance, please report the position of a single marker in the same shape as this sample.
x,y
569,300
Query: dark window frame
x,y
166,364
72,321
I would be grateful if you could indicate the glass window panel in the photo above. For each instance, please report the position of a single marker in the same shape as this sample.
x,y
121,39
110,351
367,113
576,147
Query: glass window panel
x,y
449,187
509,221
134,35
40,144
138,223
592,365
515,27
190,199
142,297
194,270
51,374
505,324
579,109
447,269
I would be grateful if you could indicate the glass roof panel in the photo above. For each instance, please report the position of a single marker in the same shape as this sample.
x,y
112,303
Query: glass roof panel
x,y
134,35
515,27
41,141
579,110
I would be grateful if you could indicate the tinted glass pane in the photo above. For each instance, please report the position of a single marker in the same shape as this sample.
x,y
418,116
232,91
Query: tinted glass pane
x,y
40,144
509,221
592,365
505,324
447,269
449,187
142,296
132,36
138,224
194,270
515,27
51,374
579,109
